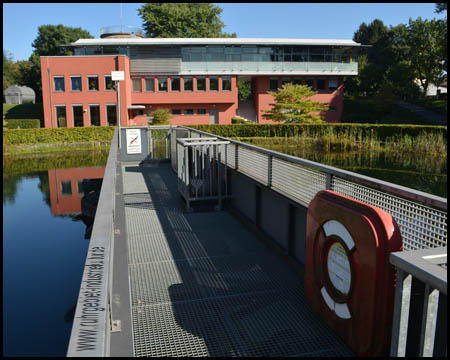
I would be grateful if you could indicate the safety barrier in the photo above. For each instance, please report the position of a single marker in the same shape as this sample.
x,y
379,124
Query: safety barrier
x,y
92,323
421,217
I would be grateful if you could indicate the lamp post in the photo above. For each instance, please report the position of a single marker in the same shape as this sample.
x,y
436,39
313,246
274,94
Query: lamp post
x,y
117,76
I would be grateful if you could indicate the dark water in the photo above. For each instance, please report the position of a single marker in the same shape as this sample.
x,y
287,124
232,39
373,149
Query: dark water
x,y
44,249
416,171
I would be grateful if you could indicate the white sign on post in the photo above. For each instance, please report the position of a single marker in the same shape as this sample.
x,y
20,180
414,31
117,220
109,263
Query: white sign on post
x,y
134,141
117,75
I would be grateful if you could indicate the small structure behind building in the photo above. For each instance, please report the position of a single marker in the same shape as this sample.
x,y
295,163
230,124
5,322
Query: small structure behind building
x,y
16,94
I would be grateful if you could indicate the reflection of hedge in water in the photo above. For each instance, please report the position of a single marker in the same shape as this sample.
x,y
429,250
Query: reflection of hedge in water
x,y
33,163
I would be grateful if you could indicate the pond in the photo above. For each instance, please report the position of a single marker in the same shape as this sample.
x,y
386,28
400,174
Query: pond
x,y
47,218
427,173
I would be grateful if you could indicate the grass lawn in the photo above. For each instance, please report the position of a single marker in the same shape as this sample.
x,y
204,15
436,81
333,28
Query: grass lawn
x,y
362,111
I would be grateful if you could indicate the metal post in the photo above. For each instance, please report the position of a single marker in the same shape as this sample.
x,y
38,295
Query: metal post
x,y
429,318
219,180
50,92
118,110
401,314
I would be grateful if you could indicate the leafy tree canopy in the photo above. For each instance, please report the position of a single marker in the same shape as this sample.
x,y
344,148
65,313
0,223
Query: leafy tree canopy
x,y
440,7
182,20
292,105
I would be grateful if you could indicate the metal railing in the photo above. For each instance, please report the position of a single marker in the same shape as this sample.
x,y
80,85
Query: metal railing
x,y
422,217
159,147
92,322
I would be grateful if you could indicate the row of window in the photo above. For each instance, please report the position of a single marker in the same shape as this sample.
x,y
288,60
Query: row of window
x,y
175,84
76,83
315,84
66,187
94,115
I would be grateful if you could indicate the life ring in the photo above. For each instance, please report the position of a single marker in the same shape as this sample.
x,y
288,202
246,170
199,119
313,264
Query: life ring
x,y
349,282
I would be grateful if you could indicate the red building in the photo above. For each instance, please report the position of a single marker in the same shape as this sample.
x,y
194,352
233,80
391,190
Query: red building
x,y
195,78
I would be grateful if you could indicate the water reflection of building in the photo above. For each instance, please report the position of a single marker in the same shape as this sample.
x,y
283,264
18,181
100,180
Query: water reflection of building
x,y
66,188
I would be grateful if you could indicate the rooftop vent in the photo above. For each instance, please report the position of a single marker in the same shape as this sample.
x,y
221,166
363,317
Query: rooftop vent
x,y
118,31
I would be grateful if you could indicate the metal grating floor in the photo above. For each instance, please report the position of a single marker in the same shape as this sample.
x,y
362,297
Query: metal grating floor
x,y
203,285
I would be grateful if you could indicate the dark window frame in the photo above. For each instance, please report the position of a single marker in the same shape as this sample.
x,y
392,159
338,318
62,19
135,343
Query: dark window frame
x,y
107,112
271,82
171,84
203,78
185,112
90,114
216,78
82,115
160,82
133,81
191,82
149,80
228,78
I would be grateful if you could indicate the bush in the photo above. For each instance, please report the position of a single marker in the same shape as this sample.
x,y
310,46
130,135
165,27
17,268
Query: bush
x,y
161,117
23,124
238,120
364,131
58,136
23,111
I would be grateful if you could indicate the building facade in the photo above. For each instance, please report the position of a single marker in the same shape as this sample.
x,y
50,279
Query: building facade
x,y
196,79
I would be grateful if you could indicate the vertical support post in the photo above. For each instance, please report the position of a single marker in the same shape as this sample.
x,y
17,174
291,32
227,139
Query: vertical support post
x,y
186,176
269,171
219,181
429,319
401,314
50,92
118,111
236,158
328,181
151,145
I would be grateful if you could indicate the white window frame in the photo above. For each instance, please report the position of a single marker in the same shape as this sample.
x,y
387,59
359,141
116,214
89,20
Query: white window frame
x,y
104,78
81,83
54,87
98,83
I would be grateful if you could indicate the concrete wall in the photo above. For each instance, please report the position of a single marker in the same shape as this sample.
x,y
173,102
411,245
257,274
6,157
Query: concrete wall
x,y
281,219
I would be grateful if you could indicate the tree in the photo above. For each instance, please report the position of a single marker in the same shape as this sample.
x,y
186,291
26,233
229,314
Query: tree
x,y
244,90
293,106
440,7
161,117
182,20
9,76
48,43
427,41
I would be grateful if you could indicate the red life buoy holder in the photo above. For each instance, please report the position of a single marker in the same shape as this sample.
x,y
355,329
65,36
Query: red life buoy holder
x,y
348,279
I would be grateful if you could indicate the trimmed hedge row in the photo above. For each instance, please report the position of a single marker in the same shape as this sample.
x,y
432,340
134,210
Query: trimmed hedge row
x,y
23,123
58,136
23,111
380,132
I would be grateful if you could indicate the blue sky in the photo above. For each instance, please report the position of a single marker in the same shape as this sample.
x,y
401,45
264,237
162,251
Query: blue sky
x,y
247,20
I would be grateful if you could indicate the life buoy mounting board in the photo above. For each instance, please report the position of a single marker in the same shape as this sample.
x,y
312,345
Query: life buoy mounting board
x,y
349,282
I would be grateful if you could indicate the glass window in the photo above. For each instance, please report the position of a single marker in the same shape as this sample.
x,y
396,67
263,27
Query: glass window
x,y
175,84
77,115
111,115
162,84
201,84
310,83
80,51
76,83
332,84
80,187
188,112
61,115
298,81
95,115
176,112
59,83
213,84
149,84
93,82
320,84
285,81
188,84
273,84
332,108
201,111
226,83
109,85
66,188
137,84
93,51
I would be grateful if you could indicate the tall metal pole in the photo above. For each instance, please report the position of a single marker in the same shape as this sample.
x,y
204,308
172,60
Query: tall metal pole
x,y
50,92
118,109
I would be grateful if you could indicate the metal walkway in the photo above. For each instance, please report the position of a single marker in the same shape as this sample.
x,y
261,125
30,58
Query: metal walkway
x,y
203,285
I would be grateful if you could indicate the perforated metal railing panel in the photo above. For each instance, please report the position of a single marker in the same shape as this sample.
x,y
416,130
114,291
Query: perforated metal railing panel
x,y
202,285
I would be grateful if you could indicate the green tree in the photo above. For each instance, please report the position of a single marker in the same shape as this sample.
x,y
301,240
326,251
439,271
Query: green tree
x,y
161,117
440,7
292,105
244,90
427,41
48,43
182,20
9,76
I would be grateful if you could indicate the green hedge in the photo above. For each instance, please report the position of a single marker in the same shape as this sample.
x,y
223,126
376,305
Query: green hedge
x,y
23,123
57,136
363,131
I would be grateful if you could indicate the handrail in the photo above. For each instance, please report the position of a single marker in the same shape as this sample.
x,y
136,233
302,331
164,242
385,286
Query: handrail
x,y
405,192
92,323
